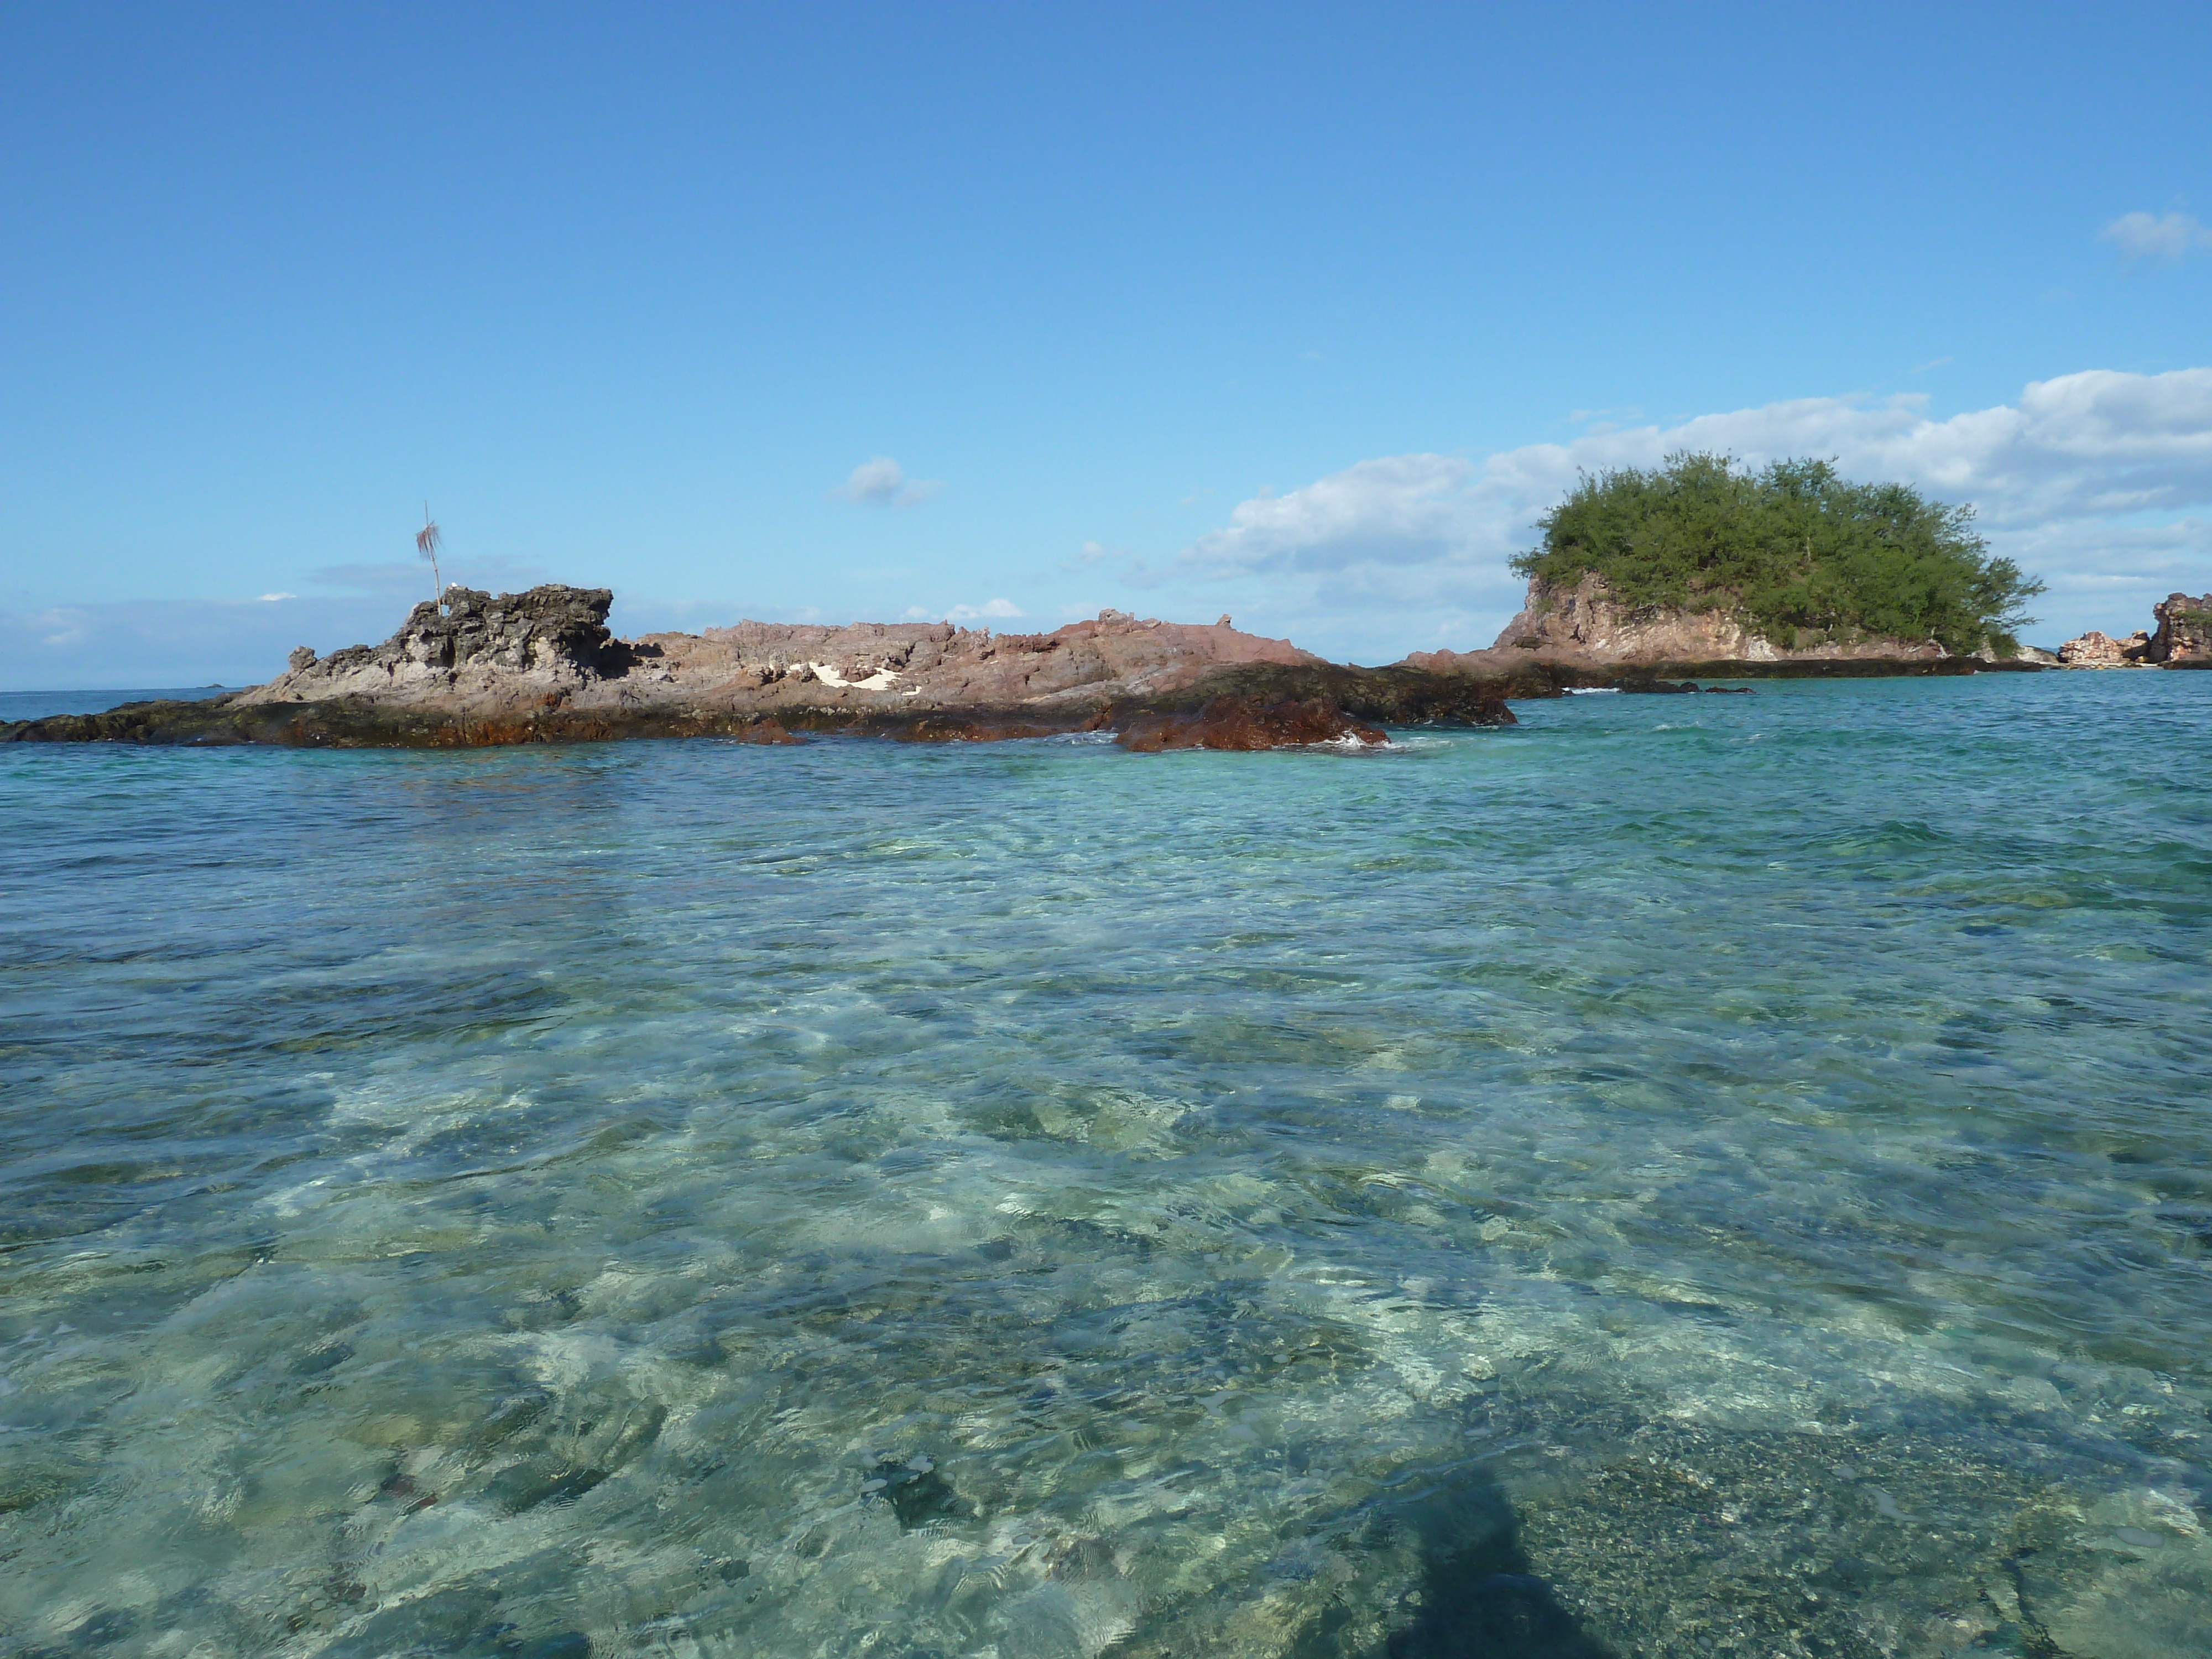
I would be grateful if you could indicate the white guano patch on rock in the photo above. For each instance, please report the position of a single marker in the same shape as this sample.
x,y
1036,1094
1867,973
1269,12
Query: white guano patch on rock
x,y
882,680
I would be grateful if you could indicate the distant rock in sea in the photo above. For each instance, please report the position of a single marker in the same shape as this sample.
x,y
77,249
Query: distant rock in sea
x,y
2183,638
1234,722
2098,649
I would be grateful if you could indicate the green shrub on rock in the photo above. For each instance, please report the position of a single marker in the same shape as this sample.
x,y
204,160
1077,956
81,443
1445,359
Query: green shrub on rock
x,y
1793,551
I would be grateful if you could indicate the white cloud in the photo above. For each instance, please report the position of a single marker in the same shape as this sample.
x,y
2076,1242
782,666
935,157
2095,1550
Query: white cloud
x,y
994,609
883,482
2090,481
1402,509
58,628
275,598
2147,236
876,482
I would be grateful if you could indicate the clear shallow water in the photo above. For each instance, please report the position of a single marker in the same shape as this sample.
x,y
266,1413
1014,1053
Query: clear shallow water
x,y
1682,1175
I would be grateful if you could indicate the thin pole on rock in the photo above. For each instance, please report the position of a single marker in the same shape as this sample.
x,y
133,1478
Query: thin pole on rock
x,y
426,545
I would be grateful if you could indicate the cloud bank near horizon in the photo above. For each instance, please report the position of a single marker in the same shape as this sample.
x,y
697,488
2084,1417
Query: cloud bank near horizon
x,y
158,644
2098,482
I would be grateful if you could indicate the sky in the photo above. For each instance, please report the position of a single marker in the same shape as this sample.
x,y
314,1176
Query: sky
x,y
1010,313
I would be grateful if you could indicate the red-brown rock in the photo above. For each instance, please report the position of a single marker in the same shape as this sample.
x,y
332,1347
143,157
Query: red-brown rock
x,y
2184,629
2097,649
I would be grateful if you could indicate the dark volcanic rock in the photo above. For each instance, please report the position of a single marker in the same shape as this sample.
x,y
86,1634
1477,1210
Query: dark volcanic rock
x,y
955,728
365,723
1396,696
548,628
1234,722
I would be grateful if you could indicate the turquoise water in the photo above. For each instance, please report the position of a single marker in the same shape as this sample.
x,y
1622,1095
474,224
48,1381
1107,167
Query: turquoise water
x,y
1679,1176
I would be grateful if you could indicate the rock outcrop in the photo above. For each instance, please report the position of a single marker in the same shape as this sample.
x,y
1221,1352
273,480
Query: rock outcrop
x,y
487,655
2097,649
2182,639
480,669
1585,632
472,648
1587,624
2185,629
1246,723
925,665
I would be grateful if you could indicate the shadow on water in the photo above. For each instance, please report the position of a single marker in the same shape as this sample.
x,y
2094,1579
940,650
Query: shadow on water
x,y
1480,1599
1474,1593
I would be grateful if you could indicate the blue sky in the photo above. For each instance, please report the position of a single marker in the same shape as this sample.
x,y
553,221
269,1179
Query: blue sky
x,y
1300,312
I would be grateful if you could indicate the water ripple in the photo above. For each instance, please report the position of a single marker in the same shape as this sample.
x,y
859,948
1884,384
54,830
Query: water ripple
x,y
1733,1181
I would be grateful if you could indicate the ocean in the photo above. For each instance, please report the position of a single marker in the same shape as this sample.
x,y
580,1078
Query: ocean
x,y
1679,1176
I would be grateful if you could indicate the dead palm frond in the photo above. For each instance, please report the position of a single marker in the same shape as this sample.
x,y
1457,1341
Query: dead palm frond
x,y
426,546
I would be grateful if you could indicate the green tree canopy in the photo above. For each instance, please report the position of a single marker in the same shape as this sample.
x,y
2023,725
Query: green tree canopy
x,y
1789,550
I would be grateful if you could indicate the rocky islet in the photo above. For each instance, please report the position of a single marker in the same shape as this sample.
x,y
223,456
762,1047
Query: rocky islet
x,y
480,670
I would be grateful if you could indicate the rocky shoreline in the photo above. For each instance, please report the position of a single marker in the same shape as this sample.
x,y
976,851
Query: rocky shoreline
x,y
480,670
